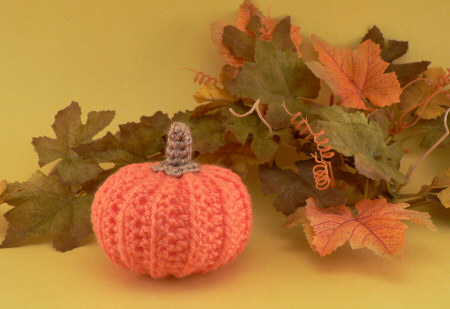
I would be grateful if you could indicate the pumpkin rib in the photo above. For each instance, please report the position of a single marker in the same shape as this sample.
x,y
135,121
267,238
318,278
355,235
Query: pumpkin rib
x,y
211,244
138,209
225,247
193,228
227,177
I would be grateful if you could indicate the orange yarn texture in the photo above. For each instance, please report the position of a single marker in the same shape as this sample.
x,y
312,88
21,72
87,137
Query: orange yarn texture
x,y
160,225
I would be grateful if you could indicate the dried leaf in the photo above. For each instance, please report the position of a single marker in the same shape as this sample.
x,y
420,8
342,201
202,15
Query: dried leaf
x,y
208,107
240,43
296,218
276,76
377,226
405,72
43,206
352,134
296,38
3,186
356,75
211,93
441,186
217,29
295,187
444,196
247,10
420,91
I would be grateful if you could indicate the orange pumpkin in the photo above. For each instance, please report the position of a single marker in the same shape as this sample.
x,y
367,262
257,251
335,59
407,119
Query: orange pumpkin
x,y
172,218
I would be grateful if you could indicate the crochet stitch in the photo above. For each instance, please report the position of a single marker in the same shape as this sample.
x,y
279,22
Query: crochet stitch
x,y
150,222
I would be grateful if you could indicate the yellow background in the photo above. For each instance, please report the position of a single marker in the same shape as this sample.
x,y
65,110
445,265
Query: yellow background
x,y
126,56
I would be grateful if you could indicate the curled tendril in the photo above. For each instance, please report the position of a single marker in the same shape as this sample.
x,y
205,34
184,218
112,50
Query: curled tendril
x,y
202,78
254,107
323,170
438,84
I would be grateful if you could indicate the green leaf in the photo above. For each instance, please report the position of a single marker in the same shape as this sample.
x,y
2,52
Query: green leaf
x,y
135,142
234,156
207,133
276,76
352,134
240,43
295,187
434,129
75,170
70,132
263,146
43,206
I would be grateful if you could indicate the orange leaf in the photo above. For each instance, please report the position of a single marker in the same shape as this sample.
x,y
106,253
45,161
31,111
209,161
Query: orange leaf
x,y
377,226
356,75
296,38
246,11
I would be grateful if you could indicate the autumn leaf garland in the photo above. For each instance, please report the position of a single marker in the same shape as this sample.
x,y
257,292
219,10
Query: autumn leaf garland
x,y
373,101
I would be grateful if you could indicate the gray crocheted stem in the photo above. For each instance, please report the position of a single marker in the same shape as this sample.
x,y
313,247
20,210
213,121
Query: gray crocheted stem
x,y
178,152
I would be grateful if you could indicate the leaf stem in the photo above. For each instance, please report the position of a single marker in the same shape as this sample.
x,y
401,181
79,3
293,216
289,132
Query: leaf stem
x,y
447,132
366,188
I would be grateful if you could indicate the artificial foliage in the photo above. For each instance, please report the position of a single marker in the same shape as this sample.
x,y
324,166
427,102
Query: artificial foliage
x,y
345,184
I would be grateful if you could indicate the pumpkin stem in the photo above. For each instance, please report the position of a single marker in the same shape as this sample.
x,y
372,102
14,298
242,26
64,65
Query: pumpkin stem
x,y
178,152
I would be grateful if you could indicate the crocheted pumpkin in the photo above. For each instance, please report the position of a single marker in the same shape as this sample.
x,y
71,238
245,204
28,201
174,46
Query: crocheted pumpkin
x,y
172,218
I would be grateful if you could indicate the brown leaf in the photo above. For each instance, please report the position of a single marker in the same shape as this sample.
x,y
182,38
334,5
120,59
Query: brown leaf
x,y
234,156
293,188
393,50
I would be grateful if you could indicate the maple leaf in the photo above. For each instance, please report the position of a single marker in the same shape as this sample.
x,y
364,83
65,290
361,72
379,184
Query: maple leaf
x,y
393,50
262,145
420,91
135,142
44,206
293,188
352,134
70,132
377,226
276,76
356,75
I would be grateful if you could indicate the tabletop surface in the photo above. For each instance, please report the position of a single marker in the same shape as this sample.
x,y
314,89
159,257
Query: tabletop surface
x,y
127,56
